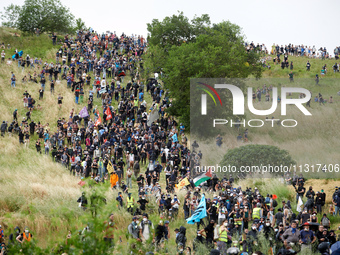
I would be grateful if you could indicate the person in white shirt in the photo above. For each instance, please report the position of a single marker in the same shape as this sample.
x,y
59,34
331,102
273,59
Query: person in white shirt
x,y
3,55
146,227
175,203
167,172
166,150
131,158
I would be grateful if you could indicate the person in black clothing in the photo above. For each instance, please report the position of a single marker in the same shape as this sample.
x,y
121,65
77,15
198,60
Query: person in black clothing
x,y
15,115
54,39
160,232
21,137
142,202
149,179
82,201
209,233
41,93
3,128
322,234
300,191
140,181
52,87
32,127
186,206
13,236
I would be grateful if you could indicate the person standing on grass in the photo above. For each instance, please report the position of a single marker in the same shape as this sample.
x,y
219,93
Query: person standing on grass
x,y
321,101
52,87
76,94
41,93
3,55
43,82
15,115
3,128
13,79
38,146
60,101
27,139
291,76
129,178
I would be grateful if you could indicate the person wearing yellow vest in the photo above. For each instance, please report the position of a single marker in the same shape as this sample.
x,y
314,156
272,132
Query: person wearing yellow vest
x,y
130,203
223,237
257,212
24,237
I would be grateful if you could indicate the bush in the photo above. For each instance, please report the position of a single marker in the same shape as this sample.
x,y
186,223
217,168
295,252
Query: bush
x,y
257,156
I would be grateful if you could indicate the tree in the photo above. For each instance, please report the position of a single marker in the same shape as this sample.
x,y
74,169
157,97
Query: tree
x,y
80,24
176,29
46,15
196,49
257,156
11,15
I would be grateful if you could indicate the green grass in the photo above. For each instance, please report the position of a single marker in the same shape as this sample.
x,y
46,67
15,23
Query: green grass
x,y
300,70
40,194
36,47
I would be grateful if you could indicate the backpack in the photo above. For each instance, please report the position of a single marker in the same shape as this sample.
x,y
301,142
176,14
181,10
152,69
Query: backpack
x,y
274,203
267,201
325,222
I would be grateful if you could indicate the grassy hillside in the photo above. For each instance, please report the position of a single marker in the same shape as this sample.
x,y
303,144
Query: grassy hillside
x,y
41,194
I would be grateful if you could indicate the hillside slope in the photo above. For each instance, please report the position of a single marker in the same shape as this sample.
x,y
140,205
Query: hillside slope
x,y
41,194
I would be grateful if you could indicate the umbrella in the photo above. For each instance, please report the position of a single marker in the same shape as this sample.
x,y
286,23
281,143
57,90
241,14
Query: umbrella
x,y
312,225
274,196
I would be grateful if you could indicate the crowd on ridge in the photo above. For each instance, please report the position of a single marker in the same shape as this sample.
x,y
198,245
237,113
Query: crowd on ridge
x,y
113,144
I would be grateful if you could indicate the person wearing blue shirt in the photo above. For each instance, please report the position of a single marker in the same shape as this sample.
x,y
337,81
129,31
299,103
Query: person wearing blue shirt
x,y
307,238
181,128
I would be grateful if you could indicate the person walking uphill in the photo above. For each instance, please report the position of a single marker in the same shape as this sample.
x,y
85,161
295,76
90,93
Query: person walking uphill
x,y
3,128
134,229
82,201
130,203
13,79
146,228
181,239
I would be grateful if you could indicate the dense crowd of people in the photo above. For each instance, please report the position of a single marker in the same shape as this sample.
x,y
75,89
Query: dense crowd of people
x,y
113,144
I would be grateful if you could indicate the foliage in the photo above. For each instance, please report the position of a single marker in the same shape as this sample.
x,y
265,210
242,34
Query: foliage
x,y
176,30
186,50
11,15
257,156
46,15
80,24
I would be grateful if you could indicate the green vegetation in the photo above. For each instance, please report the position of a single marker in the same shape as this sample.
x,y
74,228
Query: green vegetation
x,y
255,155
41,194
46,15
36,47
196,49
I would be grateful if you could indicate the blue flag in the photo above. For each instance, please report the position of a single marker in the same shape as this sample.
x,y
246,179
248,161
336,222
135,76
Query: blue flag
x,y
200,212
174,138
